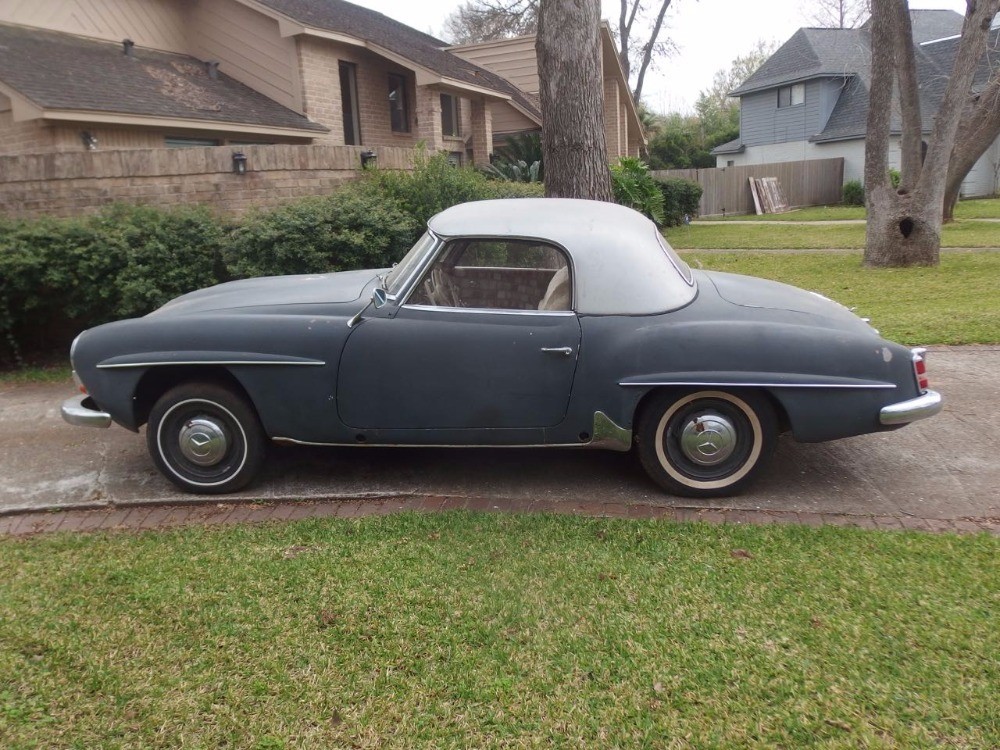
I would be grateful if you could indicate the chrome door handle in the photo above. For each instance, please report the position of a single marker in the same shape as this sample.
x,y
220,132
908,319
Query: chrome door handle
x,y
563,350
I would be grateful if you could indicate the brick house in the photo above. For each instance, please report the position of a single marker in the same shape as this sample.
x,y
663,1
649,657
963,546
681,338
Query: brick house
x,y
81,75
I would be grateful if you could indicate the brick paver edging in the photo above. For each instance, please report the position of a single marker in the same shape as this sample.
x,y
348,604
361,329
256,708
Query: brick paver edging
x,y
146,517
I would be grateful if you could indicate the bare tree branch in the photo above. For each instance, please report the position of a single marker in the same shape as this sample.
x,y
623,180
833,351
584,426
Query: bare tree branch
x,y
647,50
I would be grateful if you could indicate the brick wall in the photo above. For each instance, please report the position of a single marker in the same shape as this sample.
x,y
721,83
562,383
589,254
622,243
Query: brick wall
x,y
69,184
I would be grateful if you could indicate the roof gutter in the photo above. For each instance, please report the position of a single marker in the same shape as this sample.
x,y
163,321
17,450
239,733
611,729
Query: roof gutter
x,y
117,118
741,91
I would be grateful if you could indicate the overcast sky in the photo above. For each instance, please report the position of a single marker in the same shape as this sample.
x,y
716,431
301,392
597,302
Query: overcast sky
x,y
708,34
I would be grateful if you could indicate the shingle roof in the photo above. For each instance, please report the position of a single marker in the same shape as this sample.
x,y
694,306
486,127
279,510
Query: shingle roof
x,y
67,72
423,49
730,147
934,24
934,61
812,53
846,53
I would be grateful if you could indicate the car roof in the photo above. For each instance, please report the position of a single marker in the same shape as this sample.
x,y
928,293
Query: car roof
x,y
619,266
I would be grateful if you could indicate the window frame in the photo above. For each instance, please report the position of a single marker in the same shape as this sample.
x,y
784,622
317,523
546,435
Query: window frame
x,y
397,83
791,90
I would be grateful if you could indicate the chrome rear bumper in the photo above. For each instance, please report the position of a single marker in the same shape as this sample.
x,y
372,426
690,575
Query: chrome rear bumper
x,y
82,411
926,405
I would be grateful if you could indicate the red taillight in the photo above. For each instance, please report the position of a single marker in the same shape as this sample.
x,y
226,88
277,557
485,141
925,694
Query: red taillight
x,y
920,368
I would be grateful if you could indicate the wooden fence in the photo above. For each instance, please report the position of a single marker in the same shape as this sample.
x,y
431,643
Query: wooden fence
x,y
726,190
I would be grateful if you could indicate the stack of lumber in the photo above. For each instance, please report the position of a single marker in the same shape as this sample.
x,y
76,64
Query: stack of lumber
x,y
767,195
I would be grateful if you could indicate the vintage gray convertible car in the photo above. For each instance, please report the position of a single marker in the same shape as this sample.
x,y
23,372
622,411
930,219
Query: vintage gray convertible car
x,y
538,322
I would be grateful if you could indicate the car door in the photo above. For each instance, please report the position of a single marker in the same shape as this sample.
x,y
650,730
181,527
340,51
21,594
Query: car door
x,y
468,348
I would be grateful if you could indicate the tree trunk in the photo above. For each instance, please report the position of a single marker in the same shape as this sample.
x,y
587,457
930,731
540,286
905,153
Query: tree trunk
x,y
979,129
904,226
572,97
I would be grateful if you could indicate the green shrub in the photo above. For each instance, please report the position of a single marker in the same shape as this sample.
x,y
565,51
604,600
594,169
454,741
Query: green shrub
x,y
635,187
519,160
60,275
165,253
895,177
681,199
433,185
353,228
52,272
854,193
514,171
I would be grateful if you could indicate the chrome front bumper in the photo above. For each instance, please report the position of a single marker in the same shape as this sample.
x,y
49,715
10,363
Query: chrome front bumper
x,y
926,405
82,411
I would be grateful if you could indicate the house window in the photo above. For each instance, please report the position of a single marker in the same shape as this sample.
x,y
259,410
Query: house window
x,y
455,158
398,111
450,122
349,103
172,141
792,96
731,163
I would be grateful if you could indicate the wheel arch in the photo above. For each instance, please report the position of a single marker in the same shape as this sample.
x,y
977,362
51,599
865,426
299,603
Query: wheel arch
x,y
158,380
784,422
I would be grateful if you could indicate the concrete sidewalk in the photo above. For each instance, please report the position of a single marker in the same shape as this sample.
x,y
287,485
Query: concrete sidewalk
x,y
942,473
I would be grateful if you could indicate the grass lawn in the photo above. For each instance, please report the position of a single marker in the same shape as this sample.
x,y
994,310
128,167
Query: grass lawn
x,y
955,303
980,208
461,630
31,374
804,236
809,213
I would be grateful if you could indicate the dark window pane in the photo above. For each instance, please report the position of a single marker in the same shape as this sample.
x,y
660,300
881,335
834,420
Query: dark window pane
x,y
349,103
398,112
449,115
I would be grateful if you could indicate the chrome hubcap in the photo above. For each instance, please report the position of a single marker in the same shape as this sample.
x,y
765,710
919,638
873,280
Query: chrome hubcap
x,y
708,439
203,441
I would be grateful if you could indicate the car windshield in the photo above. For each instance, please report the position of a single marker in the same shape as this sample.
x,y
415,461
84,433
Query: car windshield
x,y
401,272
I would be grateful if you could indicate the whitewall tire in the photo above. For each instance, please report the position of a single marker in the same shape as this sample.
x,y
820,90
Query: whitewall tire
x,y
706,443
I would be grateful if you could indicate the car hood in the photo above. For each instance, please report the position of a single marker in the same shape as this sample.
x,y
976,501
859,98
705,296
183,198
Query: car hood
x,y
269,291
751,292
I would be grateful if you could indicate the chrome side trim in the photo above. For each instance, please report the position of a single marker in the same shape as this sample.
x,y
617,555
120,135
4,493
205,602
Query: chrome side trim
x,y
293,441
609,435
492,311
83,412
921,407
719,384
286,363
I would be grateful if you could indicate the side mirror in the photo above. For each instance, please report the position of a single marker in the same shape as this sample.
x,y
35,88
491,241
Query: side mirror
x,y
379,297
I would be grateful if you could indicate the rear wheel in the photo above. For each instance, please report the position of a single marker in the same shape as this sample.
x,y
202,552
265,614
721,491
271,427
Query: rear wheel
x,y
205,438
706,443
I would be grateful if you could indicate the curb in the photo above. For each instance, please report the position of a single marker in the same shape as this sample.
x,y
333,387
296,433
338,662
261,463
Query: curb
x,y
155,517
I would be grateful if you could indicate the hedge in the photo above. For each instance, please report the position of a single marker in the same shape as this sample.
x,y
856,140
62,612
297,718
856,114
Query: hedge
x,y
60,276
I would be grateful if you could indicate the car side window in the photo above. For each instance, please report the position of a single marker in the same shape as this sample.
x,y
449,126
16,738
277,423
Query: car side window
x,y
498,275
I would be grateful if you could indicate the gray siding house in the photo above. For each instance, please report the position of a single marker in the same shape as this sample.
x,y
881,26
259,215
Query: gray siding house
x,y
809,100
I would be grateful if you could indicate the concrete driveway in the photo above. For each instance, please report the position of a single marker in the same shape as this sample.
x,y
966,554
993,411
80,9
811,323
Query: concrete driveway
x,y
944,468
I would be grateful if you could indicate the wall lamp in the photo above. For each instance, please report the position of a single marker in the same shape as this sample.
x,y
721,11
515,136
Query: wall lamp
x,y
239,162
89,140
367,157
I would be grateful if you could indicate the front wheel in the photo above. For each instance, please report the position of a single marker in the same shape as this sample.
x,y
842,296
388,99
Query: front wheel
x,y
707,443
205,438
